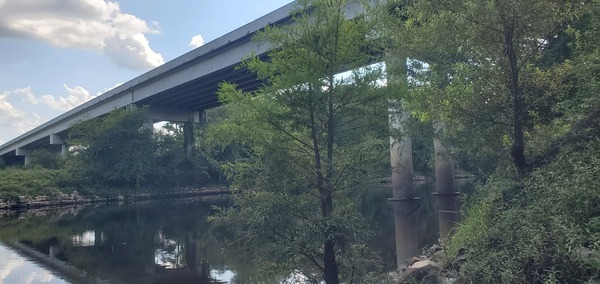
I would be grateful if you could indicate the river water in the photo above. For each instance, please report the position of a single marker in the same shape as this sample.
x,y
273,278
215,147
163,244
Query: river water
x,y
166,241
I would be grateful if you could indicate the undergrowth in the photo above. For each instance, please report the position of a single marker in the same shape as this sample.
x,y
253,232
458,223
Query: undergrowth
x,y
543,229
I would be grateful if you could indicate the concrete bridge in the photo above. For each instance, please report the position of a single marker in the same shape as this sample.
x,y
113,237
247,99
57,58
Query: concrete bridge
x,y
177,91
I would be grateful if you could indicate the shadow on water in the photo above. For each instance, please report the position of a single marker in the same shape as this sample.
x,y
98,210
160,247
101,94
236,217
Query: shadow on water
x,y
171,241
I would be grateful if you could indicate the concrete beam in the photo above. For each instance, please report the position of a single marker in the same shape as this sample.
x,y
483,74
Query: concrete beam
x,y
55,140
160,113
22,152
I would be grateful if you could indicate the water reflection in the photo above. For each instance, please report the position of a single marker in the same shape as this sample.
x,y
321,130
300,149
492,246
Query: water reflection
x,y
86,239
172,241
160,242
15,268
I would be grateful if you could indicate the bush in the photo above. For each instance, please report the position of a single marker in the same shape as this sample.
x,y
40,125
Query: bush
x,y
45,159
543,230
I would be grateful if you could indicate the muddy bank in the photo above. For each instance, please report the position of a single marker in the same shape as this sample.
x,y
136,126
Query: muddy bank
x,y
75,199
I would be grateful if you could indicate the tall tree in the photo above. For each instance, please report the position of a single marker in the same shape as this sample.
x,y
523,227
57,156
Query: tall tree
x,y
114,149
312,139
487,70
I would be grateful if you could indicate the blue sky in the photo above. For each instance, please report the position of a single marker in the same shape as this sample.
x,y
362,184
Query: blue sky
x,y
57,54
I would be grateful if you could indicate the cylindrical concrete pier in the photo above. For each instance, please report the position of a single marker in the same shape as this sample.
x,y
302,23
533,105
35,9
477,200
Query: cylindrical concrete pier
x,y
448,197
402,186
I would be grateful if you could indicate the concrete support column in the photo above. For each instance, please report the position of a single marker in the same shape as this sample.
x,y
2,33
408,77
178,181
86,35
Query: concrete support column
x,y
149,123
56,140
189,135
448,197
405,203
64,150
24,152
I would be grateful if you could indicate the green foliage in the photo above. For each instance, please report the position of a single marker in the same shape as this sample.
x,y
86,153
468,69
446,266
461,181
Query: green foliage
x,y
115,149
113,154
310,143
15,183
541,229
2,163
172,168
45,159
421,134
494,82
118,151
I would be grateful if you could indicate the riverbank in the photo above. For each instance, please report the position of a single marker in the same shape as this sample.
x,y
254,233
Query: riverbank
x,y
75,198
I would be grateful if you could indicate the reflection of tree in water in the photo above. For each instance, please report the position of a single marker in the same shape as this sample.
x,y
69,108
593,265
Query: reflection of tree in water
x,y
121,242
124,243
169,254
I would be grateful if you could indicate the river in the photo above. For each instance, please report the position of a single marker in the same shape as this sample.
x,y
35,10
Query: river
x,y
166,241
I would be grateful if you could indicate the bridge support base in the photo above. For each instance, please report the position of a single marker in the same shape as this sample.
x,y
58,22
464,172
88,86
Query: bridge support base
x,y
447,197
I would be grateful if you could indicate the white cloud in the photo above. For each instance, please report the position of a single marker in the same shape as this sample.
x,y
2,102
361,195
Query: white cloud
x,y
96,25
197,41
13,118
26,95
77,95
116,85
132,51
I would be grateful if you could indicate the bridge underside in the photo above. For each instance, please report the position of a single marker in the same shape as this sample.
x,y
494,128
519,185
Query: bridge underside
x,y
201,93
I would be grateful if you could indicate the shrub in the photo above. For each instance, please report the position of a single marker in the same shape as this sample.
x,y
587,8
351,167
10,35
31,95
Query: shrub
x,y
543,230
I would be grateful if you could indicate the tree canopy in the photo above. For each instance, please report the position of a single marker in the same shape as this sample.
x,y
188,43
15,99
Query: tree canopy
x,y
496,68
313,140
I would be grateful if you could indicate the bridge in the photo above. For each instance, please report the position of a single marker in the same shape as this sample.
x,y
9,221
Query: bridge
x,y
177,91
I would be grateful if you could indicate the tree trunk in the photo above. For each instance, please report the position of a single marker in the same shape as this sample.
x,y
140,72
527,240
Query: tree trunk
x,y
330,266
329,263
519,117
331,269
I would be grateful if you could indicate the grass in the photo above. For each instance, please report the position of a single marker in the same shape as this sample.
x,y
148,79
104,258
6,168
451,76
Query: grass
x,y
16,183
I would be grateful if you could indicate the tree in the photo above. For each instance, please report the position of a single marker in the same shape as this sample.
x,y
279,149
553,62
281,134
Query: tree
x,y
312,140
518,80
487,67
115,148
45,159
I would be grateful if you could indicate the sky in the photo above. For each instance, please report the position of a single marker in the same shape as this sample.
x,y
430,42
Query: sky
x,y
58,54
